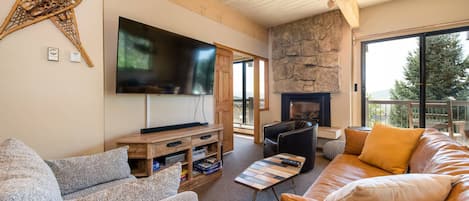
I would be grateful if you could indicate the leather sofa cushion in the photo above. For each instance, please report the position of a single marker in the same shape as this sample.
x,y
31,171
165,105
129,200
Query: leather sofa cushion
x,y
452,160
344,169
460,191
354,141
429,144
390,148
439,154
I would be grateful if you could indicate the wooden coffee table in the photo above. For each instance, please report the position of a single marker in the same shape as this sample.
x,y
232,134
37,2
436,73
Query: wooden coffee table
x,y
268,172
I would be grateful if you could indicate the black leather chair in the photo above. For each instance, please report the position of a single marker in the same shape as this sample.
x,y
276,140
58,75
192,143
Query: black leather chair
x,y
293,137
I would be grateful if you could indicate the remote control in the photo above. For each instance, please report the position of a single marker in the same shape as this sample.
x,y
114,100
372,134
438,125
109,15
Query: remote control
x,y
291,162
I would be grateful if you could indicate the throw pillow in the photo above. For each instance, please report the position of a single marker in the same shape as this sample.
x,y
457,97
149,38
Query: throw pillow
x,y
415,187
390,148
354,141
161,185
24,175
77,173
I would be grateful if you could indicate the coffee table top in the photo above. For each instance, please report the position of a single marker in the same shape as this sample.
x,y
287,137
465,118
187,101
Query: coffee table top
x,y
268,172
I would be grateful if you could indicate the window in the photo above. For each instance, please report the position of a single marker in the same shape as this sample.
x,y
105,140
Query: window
x,y
243,92
263,85
420,80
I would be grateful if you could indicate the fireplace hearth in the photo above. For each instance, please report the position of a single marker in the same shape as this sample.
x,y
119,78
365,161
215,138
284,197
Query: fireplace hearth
x,y
314,107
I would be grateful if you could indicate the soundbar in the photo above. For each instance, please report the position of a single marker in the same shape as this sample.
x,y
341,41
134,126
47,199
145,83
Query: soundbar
x,y
171,127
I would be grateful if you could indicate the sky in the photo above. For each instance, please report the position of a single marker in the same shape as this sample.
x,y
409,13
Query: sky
x,y
238,80
385,61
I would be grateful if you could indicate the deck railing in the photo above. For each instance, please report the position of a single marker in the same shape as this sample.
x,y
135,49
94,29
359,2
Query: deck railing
x,y
405,113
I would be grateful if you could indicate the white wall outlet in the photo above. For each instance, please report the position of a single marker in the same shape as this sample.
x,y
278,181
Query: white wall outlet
x,y
52,54
75,57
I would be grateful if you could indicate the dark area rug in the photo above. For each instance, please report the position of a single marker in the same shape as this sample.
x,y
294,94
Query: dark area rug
x,y
246,152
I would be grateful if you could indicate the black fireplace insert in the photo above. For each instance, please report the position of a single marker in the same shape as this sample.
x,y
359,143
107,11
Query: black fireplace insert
x,y
313,107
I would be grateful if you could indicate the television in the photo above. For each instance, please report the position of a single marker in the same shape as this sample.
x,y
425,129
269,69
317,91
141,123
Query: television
x,y
154,61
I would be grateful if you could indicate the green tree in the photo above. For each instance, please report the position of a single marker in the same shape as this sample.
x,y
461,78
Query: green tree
x,y
446,75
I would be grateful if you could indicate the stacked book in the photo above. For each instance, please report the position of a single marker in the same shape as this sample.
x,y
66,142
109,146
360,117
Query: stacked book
x,y
184,175
208,166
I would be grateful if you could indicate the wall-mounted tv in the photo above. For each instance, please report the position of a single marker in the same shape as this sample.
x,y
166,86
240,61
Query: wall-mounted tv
x,y
154,61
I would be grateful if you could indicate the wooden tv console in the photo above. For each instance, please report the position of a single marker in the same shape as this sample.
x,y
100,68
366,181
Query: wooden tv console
x,y
143,149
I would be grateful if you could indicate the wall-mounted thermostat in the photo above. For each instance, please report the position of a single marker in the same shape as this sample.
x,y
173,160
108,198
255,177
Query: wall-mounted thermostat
x,y
53,54
75,57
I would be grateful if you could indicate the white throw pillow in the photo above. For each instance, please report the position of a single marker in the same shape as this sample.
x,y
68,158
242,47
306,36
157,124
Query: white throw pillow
x,y
415,187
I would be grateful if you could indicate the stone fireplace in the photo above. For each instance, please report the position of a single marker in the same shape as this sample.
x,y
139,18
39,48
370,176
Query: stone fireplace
x,y
306,54
314,107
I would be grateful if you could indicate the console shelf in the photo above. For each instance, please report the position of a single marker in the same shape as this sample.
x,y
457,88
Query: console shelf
x,y
143,149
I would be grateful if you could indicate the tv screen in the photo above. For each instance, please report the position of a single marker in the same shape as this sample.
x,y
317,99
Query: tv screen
x,y
154,61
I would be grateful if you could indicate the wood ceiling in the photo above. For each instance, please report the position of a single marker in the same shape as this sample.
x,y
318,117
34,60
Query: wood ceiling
x,y
270,13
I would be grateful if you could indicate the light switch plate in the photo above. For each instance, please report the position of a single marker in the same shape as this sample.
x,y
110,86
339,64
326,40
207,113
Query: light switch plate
x,y
75,57
52,54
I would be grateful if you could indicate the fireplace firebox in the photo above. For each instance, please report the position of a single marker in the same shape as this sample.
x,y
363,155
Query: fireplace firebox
x,y
314,107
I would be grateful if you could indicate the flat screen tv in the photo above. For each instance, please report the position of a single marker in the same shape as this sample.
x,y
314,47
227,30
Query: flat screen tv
x,y
154,61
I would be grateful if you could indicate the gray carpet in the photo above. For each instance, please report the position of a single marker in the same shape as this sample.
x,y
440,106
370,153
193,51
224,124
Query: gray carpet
x,y
245,153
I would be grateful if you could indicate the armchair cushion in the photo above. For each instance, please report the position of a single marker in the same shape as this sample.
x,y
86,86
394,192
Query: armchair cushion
x,y
78,173
159,186
24,175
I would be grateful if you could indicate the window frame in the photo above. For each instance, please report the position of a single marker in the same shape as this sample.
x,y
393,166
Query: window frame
x,y
422,49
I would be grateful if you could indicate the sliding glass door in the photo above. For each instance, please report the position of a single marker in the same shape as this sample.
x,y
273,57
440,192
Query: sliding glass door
x,y
243,89
447,79
420,80
392,89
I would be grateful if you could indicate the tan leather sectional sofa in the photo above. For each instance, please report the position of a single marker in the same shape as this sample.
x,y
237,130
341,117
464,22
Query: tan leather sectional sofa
x,y
436,153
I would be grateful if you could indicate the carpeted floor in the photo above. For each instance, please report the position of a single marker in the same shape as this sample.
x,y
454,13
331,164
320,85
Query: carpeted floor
x,y
245,153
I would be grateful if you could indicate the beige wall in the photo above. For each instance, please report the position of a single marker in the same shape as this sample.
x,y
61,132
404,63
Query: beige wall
x,y
340,102
54,107
125,114
402,17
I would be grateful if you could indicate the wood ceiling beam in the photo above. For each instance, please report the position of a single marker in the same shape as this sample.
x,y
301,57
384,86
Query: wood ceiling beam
x,y
350,10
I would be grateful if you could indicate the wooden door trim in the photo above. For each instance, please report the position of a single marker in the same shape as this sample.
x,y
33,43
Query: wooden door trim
x,y
257,113
266,86
257,110
218,45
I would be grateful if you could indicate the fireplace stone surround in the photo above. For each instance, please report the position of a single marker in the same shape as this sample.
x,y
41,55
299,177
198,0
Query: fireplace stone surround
x,y
306,54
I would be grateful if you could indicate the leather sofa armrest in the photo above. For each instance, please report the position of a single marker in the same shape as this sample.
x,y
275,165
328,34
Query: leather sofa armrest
x,y
292,197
